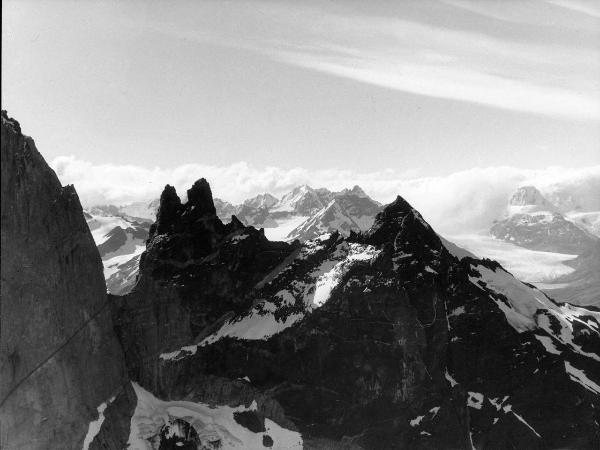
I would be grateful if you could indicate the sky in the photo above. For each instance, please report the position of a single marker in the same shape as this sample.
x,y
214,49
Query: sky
x,y
257,96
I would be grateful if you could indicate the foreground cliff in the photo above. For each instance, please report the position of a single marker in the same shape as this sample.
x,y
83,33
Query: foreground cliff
x,y
380,340
59,358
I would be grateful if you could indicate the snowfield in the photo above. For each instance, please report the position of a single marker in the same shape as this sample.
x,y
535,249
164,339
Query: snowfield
x,y
528,265
113,264
284,227
100,226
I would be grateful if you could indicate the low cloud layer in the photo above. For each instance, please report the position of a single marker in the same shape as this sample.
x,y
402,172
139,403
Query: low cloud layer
x,y
460,202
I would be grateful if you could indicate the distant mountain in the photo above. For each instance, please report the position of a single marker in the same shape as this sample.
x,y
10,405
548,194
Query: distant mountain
x,y
262,201
225,209
304,212
588,220
138,211
531,198
120,241
348,210
535,223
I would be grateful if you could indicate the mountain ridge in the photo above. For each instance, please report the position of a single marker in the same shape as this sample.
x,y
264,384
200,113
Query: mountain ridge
x,y
312,299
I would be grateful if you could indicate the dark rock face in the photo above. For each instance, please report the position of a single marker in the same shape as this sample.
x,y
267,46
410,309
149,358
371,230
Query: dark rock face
x,y
54,308
380,340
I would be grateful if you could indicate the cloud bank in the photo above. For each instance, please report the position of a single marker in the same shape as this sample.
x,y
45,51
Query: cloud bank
x,y
463,201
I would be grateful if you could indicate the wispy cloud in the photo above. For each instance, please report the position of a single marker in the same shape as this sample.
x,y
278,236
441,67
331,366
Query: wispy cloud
x,y
590,8
460,63
466,200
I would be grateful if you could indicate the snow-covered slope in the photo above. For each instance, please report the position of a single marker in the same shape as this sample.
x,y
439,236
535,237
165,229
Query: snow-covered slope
x,y
302,200
265,200
349,210
120,241
304,212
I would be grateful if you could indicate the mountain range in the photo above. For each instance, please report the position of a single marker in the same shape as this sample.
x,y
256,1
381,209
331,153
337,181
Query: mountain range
x,y
529,221
304,213
381,339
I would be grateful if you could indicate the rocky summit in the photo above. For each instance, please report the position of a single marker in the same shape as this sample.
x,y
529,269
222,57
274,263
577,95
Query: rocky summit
x,y
384,339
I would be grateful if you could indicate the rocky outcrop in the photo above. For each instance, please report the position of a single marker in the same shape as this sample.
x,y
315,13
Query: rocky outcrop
x,y
380,340
59,356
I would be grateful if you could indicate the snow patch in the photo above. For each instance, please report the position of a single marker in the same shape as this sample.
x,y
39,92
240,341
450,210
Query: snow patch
x,y
580,377
95,425
449,378
331,278
213,424
112,263
526,424
416,421
283,227
548,345
475,400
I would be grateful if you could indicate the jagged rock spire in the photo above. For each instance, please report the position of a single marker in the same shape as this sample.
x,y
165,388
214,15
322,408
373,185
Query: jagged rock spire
x,y
168,211
200,198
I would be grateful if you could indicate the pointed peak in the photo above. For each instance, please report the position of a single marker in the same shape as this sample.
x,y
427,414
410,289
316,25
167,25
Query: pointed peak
x,y
169,197
265,200
236,223
398,207
528,195
303,188
168,210
10,122
399,223
201,199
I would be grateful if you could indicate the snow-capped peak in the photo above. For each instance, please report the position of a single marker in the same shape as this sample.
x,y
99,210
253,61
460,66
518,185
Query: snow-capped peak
x,y
265,200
